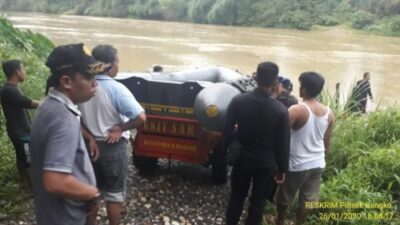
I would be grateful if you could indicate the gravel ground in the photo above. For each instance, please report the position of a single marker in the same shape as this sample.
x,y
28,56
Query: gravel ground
x,y
181,194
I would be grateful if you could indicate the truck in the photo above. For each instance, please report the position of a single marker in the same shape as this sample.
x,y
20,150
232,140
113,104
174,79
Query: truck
x,y
185,115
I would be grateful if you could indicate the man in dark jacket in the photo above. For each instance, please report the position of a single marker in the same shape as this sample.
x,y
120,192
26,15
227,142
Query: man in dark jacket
x,y
361,92
263,132
15,105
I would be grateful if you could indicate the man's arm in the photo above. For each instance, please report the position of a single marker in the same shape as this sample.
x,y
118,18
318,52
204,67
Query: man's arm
x,y
23,101
63,143
115,132
229,125
293,112
135,123
34,104
15,97
283,146
93,148
67,186
125,104
328,133
369,91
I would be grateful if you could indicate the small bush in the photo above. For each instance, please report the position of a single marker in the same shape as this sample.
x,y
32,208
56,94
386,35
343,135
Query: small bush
x,y
328,21
362,19
297,19
394,25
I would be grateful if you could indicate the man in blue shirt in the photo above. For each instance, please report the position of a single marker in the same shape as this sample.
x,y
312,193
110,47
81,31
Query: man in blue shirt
x,y
108,117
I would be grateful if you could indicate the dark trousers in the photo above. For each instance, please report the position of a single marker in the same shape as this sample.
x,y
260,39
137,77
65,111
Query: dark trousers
x,y
363,106
359,106
262,184
21,158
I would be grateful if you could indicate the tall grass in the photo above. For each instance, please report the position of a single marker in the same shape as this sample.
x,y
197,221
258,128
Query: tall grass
x,y
363,164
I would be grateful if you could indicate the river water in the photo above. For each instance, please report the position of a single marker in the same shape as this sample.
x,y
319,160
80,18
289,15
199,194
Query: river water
x,y
340,55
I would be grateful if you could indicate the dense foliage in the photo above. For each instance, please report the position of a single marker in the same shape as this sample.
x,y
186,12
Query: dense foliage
x,y
380,16
364,166
32,49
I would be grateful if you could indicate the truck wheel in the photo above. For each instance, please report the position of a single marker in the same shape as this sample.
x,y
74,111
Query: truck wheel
x,y
144,164
219,166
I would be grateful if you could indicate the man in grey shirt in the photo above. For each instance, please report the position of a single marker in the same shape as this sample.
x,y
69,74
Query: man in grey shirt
x,y
64,184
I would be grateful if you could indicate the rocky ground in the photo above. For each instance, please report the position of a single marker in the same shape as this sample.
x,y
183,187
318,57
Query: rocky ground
x,y
181,194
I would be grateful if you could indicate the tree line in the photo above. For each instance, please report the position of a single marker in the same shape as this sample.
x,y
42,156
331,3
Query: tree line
x,y
374,15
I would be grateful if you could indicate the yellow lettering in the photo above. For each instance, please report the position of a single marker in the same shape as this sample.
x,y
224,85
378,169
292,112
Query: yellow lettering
x,y
174,128
166,145
182,129
152,126
190,129
158,126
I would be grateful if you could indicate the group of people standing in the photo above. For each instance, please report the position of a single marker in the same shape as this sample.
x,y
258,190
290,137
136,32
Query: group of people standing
x,y
79,138
78,141
287,147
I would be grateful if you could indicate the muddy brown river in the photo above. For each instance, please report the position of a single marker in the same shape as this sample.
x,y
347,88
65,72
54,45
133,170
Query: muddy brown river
x,y
339,54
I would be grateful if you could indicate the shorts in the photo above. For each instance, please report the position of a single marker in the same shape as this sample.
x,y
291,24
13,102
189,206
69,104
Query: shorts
x,y
111,170
22,153
306,182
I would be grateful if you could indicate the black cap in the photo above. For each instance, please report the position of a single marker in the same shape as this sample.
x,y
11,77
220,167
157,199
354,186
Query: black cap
x,y
75,56
286,83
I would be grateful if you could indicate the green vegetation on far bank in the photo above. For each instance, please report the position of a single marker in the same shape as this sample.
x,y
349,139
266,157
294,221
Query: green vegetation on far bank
x,y
32,49
377,16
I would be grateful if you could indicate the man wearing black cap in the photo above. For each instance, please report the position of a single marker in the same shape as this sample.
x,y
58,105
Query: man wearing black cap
x,y
64,184
263,133
285,88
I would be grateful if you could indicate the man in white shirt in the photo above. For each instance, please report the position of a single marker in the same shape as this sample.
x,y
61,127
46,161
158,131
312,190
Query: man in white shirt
x,y
311,127
108,117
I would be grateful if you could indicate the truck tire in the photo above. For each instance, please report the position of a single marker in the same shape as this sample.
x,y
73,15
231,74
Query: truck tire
x,y
144,164
219,166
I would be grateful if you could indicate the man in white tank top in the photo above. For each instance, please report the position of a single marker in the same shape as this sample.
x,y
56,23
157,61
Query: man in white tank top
x,y
311,126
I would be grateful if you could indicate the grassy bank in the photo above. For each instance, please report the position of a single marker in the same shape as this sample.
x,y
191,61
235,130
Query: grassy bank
x,y
364,166
32,49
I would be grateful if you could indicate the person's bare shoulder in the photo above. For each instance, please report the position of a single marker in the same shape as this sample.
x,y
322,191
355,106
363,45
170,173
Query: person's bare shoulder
x,y
298,109
298,115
